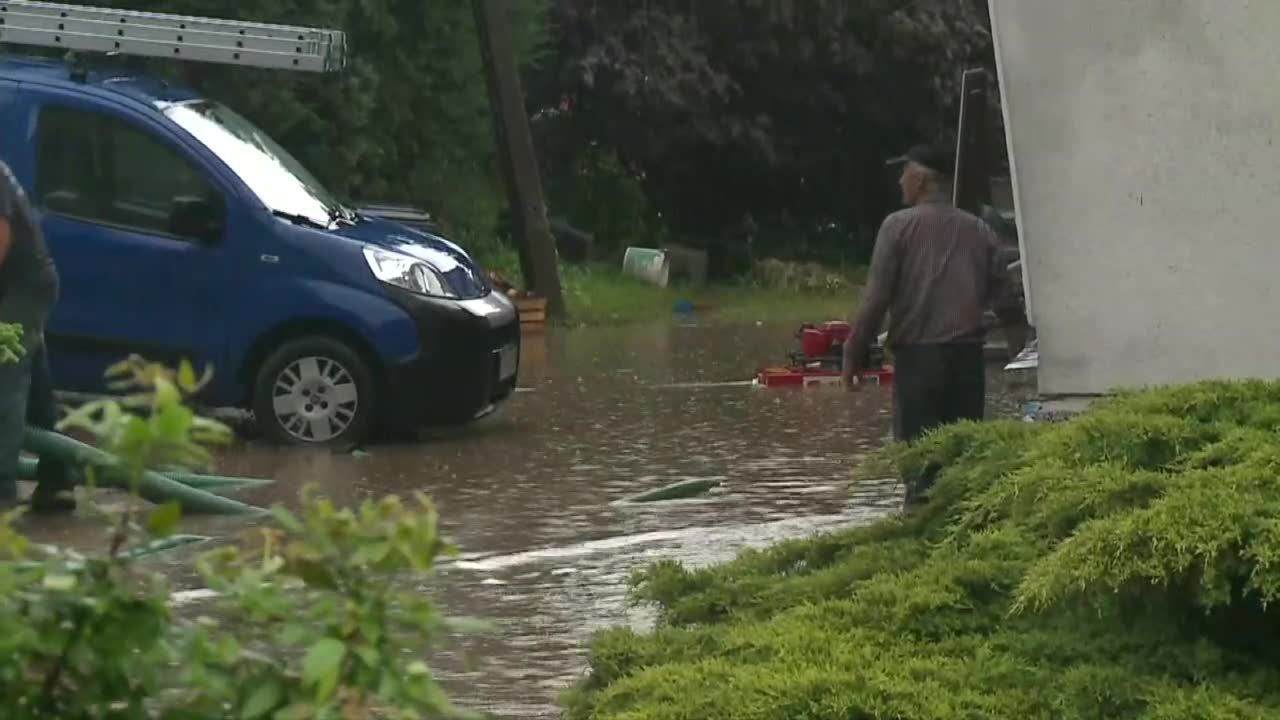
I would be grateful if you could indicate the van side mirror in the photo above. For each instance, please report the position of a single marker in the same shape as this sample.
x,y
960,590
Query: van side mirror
x,y
197,218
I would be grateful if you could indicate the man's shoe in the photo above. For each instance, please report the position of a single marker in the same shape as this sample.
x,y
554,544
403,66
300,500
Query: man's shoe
x,y
52,503
914,501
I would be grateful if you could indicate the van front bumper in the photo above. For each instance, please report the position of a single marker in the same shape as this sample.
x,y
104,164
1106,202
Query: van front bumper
x,y
467,363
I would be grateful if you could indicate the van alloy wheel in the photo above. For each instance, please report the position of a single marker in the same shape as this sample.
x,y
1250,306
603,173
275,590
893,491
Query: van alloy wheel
x,y
315,391
315,399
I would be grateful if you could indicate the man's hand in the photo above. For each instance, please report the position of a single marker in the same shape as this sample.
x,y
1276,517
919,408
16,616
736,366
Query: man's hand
x,y
848,367
6,238
849,381
848,372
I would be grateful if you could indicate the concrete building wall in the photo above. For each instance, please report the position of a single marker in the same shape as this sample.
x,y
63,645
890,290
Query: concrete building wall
x,y
1145,142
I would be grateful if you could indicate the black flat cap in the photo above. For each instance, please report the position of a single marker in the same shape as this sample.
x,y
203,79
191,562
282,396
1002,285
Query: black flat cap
x,y
939,157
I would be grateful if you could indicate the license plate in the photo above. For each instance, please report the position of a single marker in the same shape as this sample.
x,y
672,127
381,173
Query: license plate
x,y
508,362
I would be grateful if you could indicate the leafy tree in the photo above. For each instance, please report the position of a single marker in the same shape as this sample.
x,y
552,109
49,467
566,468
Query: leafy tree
x,y
779,111
407,121
761,124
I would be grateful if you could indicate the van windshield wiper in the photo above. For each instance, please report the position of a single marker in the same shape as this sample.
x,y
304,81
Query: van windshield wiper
x,y
340,213
297,219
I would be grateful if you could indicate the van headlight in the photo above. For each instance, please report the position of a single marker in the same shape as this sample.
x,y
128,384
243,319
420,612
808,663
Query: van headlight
x,y
407,272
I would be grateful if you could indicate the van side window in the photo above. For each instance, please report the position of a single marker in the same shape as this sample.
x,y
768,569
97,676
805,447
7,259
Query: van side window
x,y
94,167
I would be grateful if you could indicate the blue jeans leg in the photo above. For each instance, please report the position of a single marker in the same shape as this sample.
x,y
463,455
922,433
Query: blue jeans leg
x,y
15,384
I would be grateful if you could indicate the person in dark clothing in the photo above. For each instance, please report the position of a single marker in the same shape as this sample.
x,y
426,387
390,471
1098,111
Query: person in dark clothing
x,y
28,292
935,269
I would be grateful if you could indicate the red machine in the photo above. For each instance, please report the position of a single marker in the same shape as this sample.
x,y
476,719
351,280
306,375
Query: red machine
x,y
819,360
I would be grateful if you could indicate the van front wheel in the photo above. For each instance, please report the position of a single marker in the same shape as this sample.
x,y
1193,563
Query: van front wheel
x,y
314,391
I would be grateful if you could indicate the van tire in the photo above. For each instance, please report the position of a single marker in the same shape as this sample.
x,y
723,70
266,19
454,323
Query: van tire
x,y
314,392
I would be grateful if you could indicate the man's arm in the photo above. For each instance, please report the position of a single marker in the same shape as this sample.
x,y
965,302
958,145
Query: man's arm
x,y
6,238
6,213
1001,293
881,281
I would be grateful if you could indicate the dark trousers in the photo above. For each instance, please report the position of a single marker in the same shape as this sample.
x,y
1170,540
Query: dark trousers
x,y
26,397
42,411
936,385
52,474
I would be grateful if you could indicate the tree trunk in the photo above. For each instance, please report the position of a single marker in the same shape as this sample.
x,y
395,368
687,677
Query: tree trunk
x,y
536,245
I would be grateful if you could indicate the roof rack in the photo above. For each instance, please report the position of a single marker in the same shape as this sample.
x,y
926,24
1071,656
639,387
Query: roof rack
x,y
180,37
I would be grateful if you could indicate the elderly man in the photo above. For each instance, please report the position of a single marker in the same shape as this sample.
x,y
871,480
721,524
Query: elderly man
x,y
935,270
28,291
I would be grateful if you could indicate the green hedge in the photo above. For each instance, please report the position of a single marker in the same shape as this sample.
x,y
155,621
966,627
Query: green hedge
x,y
1121,565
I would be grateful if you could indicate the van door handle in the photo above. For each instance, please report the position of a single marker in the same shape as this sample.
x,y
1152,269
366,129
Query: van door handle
x,y
270,259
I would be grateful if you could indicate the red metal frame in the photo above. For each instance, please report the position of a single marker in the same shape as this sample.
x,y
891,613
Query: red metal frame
x,y
811,378
818,362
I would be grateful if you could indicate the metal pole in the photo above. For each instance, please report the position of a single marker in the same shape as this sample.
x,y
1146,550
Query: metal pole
x,y
972,180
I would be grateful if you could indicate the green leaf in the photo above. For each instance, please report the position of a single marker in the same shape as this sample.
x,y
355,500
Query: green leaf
x,y
296,711
368,655
187,377
120,369
295,634
166,394
172,423
262,700
164,520
321,665
315,574
210,432
60,583
371,554
288,520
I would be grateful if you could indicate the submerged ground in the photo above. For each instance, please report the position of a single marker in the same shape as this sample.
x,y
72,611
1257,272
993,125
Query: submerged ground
x,y
530,495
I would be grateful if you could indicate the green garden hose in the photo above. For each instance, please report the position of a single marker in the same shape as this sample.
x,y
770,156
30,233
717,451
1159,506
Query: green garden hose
x,y
27,471
677,491
168,543
152,485
215,482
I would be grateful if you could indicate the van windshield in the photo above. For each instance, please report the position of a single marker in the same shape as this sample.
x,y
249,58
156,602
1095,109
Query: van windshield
x,y
275,176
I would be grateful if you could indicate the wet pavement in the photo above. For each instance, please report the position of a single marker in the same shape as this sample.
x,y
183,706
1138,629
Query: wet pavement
x,y
531,494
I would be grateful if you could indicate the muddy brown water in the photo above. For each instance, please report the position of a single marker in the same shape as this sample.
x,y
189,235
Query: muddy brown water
x,y
531,495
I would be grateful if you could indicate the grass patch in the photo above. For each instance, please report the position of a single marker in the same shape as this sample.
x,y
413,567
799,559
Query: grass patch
x,y
1124,565
600,294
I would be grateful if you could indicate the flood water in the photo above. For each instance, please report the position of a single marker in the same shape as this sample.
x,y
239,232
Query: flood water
x,y
531,494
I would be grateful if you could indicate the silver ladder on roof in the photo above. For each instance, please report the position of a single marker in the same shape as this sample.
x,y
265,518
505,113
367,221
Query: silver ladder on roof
x,y
130,32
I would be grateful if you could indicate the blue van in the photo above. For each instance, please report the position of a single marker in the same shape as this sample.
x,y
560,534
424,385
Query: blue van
x,y
180,230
